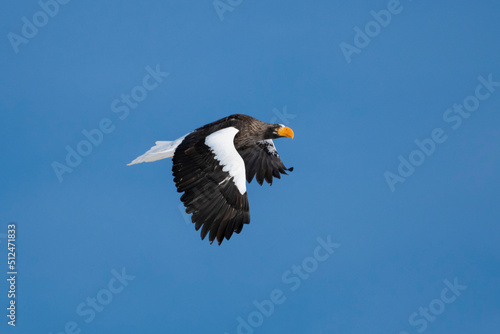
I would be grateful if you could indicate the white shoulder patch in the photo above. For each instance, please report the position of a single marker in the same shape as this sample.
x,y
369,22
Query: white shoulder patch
x,y
270,146
221,144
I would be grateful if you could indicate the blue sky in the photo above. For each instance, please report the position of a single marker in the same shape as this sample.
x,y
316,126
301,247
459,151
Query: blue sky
x,y
372,232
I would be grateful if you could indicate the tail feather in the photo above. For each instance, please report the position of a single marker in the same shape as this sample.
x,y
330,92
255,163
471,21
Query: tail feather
x,y
162,150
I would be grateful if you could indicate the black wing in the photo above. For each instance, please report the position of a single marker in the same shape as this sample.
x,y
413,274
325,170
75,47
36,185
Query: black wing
x,y
263,161
209,192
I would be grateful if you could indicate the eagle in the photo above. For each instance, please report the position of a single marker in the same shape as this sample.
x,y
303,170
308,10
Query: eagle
x,y
212,164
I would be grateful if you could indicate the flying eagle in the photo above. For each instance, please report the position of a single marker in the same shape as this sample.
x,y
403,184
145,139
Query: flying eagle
x,y
212,164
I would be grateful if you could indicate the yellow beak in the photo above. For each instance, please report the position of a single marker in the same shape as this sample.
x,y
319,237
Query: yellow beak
x,y
286,132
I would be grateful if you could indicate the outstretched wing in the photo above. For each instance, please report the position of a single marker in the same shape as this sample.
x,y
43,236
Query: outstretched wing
x,y
263,162
211,174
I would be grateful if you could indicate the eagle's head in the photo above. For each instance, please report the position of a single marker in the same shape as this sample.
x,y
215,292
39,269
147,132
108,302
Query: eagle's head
x,y
278,131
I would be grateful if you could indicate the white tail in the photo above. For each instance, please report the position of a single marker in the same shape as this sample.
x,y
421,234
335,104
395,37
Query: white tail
x,y
162,150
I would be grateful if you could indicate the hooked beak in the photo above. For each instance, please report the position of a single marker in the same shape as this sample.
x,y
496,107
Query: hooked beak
x,y
286,132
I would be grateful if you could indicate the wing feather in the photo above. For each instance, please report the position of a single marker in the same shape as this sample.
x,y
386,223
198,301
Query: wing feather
x,y
207,171
263,162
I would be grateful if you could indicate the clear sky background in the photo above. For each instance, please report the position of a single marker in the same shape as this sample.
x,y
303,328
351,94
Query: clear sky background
x,y
279,62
